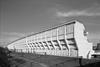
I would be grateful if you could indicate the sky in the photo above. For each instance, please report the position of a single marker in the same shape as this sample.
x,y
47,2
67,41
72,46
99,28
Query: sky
x,y
19,18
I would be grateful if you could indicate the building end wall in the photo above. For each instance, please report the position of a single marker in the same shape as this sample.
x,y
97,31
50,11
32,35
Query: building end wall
x,y
84,47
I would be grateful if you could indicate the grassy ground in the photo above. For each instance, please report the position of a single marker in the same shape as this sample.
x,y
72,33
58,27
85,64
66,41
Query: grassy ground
x,y
56,61
8,59
35,60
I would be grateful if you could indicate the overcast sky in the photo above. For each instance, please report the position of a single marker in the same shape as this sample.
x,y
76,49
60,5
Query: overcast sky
x,y
22,17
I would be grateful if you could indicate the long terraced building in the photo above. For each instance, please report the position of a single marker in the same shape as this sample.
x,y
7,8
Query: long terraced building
x,y
68,39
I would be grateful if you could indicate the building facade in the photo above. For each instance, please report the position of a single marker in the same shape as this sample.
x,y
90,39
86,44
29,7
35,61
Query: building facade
x,y
68,39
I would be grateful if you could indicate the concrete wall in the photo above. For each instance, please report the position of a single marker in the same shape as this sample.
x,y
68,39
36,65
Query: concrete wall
x,y
65,40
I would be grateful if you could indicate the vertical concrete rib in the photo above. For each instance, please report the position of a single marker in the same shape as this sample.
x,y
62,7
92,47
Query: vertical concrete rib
x,y
67,41
52,40
38,40
39,45
32,46
59,41
42,40
53,45
47,44
27,43
46,41
36,45
50,44
43,45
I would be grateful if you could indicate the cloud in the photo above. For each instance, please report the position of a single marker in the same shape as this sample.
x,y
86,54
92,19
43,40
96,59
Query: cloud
x,y
77,13
92,11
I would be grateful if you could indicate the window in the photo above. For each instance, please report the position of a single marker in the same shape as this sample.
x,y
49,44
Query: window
x,y
85,33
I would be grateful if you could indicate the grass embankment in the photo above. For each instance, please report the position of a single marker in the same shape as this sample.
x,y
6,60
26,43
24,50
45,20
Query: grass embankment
x,y
58,61
8,61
